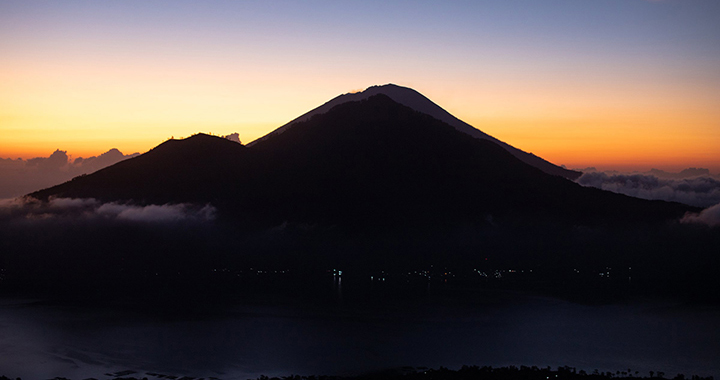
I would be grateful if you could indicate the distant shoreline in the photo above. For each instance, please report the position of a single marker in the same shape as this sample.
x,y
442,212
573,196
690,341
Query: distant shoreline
x,y
442,373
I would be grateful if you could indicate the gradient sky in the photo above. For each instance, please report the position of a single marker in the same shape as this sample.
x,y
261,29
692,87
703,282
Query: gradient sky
x,y
616,84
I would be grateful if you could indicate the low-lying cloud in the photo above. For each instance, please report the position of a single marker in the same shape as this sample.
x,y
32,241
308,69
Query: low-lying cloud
x,y
157,213
19,177
709,216
234,137
701,191
91,209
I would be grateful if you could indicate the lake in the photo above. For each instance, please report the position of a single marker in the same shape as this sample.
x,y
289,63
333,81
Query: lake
x,y
42,340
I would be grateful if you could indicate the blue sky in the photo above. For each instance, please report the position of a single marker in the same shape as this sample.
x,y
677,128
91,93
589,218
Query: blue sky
x,y
129,74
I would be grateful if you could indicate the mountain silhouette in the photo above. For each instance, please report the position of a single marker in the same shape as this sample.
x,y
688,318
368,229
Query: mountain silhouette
x,y
418,102
368,186
195,169
373,163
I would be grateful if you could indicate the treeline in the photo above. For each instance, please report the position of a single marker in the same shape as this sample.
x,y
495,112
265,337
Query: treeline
x,y
464,373
498,373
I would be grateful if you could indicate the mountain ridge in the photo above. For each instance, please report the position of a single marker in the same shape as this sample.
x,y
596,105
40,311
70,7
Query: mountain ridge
x,y
371,186
415,100
363,161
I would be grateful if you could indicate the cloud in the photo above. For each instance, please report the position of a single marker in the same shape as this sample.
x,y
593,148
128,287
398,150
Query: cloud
x,y
91,209
709,216
68,242
157,213
57,161
697,191
108,158
65,203
10,205
235,137
19,177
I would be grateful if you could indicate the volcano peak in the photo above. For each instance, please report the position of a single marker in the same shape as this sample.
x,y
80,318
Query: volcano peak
x,y
418,102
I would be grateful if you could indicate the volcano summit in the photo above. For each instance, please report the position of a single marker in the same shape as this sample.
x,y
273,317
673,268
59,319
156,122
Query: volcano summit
x,y
370,181
387,155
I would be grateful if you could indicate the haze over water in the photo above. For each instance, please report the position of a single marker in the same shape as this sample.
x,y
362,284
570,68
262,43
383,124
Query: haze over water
x,y
280,338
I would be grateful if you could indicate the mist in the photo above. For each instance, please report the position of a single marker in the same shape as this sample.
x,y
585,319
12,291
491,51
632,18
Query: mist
x,y
19,177
710,216
28,208
699,191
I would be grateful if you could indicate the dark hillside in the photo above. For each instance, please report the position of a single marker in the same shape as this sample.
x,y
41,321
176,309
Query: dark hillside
x,y
368,186
189,170
360,165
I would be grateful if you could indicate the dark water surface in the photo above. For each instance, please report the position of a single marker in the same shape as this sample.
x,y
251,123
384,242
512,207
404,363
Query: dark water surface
x,y
43,340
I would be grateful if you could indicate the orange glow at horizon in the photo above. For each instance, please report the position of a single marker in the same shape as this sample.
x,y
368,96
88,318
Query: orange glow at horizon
x,y
625,84
88,109
614,143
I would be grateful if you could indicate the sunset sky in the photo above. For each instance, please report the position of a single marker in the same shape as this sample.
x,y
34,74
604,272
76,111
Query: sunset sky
x,y
615,84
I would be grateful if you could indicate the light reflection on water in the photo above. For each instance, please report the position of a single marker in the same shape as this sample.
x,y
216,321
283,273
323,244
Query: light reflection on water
x,y
39,340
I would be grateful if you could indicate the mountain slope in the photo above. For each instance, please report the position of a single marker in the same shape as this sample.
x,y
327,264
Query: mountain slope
x,y
369,186
189,170
418,102
409,162
360,165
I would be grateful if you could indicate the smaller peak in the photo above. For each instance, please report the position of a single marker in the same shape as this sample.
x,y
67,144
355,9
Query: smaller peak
x,y
387,86
193,137
380,88
196,140
204,138
210,138
384,85
199,136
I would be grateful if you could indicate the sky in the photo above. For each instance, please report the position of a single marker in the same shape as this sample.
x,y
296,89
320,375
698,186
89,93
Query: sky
x,y
613,84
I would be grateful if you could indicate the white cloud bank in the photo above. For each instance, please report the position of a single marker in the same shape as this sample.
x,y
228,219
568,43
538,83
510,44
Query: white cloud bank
x,y
157,213
709,216
701,191
89,208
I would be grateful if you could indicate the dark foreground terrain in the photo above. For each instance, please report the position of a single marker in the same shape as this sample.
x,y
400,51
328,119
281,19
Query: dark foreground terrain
x,y
464,373
372,188
370,204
